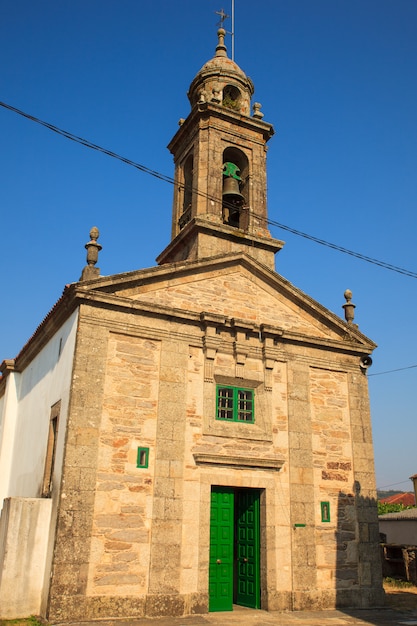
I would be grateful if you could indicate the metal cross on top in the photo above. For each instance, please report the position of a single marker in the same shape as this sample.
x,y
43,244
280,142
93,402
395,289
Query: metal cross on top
x,y
223,17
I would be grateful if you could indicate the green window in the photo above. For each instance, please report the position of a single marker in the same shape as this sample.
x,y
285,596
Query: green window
x,y
235,404
143,457
325,511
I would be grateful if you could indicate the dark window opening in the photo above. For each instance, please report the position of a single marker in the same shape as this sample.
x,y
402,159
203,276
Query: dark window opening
x,y
143,457
187,192
51,451
231,97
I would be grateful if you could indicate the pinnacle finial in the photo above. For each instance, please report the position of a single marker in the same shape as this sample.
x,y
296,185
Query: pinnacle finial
x,y
221,48
93,248
257,110
349,307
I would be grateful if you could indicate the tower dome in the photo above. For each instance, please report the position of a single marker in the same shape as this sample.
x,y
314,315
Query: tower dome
x,y
222,82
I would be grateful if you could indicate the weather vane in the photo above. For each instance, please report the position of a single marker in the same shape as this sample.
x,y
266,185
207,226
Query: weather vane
x,y
223,17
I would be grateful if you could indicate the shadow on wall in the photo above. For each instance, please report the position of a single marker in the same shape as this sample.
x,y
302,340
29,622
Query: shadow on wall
x,y
358,561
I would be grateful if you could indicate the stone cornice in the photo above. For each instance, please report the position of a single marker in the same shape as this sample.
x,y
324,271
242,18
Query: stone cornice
x,y
206,109
7,366
181,315
239,462
218,230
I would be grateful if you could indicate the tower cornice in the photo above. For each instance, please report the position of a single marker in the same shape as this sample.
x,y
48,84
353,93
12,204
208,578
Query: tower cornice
x,y
205,110
194,241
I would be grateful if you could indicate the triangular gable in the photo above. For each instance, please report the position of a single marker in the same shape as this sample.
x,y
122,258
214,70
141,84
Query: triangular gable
x,y
234,286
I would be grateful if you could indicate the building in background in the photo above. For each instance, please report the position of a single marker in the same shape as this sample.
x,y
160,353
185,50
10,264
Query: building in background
x,y
399,528
183,438
403,499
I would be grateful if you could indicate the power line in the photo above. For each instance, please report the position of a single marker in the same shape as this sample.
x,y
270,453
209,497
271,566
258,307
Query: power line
x,y
393,485
87,143
400,369
362,257
169,179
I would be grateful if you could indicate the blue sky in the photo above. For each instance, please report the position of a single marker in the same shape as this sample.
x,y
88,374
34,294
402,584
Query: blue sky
x,y
336,78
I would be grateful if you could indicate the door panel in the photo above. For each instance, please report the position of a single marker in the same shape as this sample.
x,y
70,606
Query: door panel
x,y
248,548
221,549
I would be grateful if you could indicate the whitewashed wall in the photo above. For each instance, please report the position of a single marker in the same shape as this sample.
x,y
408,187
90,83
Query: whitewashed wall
x,y
27,523
26,413
24,538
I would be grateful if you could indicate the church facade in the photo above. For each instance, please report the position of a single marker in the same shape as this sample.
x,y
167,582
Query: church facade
x,y
196,435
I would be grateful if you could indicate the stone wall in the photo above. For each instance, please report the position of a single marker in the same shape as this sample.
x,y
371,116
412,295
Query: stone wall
x,y
134,541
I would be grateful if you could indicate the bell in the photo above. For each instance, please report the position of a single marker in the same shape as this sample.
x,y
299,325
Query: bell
x,y
231,188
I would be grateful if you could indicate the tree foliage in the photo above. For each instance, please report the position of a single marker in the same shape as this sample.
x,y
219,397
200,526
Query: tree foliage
x,y
386,507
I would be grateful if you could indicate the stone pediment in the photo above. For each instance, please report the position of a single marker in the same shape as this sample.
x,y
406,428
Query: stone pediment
x,y
232,287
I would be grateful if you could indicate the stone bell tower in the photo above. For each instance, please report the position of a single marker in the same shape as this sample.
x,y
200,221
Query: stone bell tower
x,y
220,203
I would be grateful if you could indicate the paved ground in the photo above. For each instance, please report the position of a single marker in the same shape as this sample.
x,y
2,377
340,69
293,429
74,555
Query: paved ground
x,y
249,617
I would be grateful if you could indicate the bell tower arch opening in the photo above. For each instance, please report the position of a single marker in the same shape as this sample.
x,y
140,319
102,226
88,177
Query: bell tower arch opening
x,y
187,191
235,194
231,97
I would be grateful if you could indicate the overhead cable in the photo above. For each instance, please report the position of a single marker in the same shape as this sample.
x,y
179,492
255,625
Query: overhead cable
x,y
169,179
393,485
399,369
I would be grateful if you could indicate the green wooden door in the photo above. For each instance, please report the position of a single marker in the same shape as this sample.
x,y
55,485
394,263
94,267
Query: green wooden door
x,y
247,548
234,572
221,549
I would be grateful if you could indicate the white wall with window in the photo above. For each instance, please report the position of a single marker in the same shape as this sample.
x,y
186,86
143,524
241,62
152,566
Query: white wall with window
x,y
26,411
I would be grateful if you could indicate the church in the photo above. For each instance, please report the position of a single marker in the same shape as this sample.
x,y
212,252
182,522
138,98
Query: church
x,y
196,435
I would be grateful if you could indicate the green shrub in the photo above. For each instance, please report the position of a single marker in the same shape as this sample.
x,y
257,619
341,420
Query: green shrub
x,y
385,507
397,582
28,621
